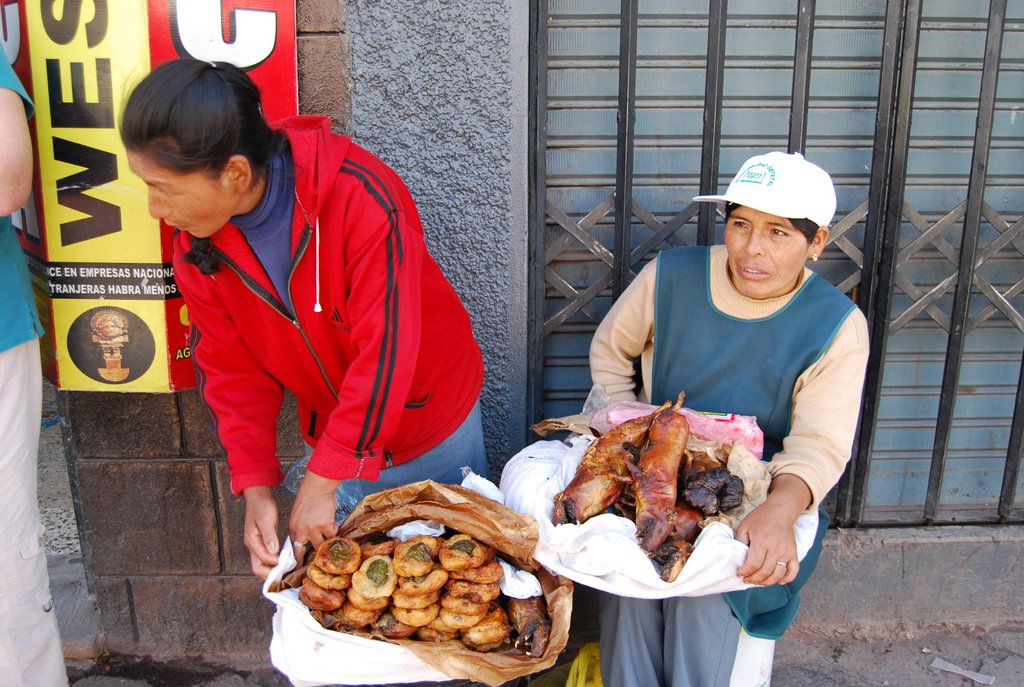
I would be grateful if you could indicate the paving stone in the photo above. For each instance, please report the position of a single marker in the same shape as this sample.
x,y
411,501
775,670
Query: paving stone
x,y
197,426
289,438
209,617
320,16
324,86
117,623
228,680
232,517
104,424
154,517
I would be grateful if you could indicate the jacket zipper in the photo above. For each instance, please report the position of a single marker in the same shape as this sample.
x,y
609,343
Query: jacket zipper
x,y
261,293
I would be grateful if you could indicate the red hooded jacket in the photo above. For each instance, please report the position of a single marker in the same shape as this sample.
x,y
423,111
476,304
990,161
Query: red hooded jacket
x,y
380,352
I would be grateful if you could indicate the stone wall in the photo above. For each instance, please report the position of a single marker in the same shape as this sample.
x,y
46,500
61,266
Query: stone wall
x,y
440,93
160,529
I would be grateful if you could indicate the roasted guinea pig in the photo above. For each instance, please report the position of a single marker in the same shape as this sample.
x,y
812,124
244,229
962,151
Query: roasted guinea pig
x,y
670,557
673,553
531,622
655,479
713,490
603,472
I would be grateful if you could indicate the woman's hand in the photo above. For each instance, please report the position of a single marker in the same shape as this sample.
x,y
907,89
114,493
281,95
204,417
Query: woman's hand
x,y
312,519
260,531
768,531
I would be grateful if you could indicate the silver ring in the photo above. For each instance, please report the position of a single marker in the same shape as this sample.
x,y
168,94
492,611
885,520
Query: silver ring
x,y
303,544
784,564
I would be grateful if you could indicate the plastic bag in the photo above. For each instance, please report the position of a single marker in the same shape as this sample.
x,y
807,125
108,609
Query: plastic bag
x,y
723,428
586,667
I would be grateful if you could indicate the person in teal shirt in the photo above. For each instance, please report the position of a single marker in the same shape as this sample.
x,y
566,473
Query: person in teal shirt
x,y
31,653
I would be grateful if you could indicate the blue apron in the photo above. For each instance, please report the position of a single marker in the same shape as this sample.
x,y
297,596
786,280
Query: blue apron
x,y
747,367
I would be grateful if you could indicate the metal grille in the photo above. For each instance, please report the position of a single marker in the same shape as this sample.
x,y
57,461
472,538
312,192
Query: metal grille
x,y
911,105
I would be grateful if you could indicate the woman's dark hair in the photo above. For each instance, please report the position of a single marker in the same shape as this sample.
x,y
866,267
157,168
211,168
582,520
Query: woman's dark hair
x,y
189,115
807,227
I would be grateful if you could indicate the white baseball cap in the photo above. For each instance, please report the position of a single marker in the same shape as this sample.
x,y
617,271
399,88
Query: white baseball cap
x,y
782,184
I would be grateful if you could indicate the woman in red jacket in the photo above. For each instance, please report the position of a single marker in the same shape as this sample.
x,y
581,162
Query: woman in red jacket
x,y
302,260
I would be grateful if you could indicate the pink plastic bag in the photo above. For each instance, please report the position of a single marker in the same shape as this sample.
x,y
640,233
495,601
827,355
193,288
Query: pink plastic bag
x,y
725,428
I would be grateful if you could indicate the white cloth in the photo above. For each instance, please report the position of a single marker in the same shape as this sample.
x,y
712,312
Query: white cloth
x,y
603,552
31,654
311,655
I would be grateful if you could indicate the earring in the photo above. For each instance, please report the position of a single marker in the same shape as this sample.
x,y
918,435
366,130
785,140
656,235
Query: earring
x,y
814,257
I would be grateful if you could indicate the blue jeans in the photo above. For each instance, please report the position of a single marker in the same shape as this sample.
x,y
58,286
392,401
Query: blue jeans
x,y
463,448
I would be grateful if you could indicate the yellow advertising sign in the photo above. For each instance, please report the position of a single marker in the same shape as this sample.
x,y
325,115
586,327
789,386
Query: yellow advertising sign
x,y
101,265
97,240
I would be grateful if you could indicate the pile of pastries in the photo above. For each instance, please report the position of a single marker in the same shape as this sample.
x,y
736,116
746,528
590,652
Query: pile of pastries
x,y
434,589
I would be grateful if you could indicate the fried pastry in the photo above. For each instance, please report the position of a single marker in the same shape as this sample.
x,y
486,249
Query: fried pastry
x,y
474,591
327,580
317,598
366,603
464,606
377,545
482,574
441,626
429,634
416,556
393,628
461,551
406,600
375,577
421,584
356,618
338,556
417,617
459,621
490,633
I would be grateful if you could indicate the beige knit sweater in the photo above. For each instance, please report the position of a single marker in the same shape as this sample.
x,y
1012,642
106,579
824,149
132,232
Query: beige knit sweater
x,y
826,397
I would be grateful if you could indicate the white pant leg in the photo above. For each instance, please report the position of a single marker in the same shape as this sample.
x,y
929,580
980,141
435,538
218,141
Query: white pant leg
x,y
31,653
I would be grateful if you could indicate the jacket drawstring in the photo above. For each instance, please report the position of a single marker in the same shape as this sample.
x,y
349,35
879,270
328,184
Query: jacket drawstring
x,y
316,240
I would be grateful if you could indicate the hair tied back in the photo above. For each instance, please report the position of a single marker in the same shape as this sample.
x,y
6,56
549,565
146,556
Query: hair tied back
x,y
201,255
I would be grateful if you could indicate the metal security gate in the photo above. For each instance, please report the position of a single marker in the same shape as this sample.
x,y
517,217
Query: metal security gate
x,y
914,107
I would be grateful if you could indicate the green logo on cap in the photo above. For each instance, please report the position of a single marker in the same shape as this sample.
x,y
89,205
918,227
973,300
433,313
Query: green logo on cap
x,y
758,173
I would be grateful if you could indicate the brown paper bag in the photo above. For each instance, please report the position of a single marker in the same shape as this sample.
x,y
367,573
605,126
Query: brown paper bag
x,y
512,534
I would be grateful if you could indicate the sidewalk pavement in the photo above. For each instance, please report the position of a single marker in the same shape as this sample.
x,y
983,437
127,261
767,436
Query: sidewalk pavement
x,y
940,657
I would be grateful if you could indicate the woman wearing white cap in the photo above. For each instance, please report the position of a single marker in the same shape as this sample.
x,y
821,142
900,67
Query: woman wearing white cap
x,y
745,328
